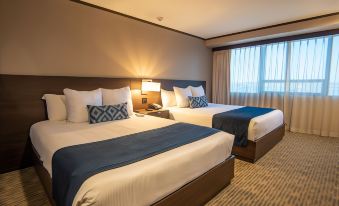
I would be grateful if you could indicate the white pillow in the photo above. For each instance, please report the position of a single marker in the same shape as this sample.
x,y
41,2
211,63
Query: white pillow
x,y
77,101
168,98
181,95
118,96
197,91
56,107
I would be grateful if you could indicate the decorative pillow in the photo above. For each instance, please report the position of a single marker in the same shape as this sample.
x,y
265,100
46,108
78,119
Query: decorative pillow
x,y
181,96
118,96
56,107
97,114
168,98
197,102
77,101
197,91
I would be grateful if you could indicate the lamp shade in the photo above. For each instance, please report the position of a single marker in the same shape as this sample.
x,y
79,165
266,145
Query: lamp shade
x,y
149,86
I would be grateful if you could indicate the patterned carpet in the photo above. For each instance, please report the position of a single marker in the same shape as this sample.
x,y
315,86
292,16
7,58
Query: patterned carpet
x,y
300,170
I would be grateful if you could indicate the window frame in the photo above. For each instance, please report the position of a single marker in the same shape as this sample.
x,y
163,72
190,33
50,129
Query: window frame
x,y
287,81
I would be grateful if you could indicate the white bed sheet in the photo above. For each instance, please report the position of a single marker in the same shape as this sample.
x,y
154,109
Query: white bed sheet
x,y
140,183
258,127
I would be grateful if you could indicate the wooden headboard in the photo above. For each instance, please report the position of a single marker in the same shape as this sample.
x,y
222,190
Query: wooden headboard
x,y
169,84
21,106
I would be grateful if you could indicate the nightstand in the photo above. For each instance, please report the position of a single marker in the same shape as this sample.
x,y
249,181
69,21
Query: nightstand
x,y
162,113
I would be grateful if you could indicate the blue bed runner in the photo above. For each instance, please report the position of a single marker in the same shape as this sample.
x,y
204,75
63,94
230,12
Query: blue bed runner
x,y
72,165
236,122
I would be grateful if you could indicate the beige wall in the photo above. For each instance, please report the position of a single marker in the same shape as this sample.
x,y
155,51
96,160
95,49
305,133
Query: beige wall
x,y
61,37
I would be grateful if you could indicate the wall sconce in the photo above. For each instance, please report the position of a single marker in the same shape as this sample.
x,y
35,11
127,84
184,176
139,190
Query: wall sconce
x,y
148,86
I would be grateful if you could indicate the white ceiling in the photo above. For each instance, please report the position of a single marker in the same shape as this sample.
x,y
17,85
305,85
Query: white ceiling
x,y
211,18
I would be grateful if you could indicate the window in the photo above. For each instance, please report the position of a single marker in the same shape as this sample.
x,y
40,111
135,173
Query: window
x,y
274,67
333,88
307,66
245,69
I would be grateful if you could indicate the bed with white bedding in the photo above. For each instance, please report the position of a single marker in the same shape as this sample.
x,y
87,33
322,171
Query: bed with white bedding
x,y
264,131
141,183
258,127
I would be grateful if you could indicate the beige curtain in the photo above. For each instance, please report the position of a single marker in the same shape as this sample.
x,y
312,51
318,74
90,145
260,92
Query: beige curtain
x,y
221,76
315,115
303,113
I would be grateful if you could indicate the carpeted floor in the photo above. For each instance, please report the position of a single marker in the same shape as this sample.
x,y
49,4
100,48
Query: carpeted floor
x,y
300,170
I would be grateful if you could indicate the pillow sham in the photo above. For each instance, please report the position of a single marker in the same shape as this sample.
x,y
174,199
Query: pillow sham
x,y
168,98
181,96
118,96
56,107
197,91
197,102
97,114
77,101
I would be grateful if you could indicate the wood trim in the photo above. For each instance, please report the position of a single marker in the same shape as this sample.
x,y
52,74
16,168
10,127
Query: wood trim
x,y
276,25
197,192
256,149
280,39
135,18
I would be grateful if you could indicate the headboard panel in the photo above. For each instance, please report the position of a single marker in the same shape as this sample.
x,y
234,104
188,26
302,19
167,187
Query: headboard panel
x,y
169,84
21,106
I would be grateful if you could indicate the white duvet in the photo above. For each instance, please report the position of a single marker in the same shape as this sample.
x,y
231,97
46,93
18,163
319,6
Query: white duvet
x,y
258,127
141,183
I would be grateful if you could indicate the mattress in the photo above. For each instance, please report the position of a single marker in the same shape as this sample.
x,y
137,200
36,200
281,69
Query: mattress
x,y
258,127
141,183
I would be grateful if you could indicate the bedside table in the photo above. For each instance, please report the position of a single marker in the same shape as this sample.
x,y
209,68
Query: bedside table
x,y
162,113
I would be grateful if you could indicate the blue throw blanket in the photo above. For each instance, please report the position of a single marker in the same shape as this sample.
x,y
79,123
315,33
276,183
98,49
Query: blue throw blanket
x,y
236,122
71,166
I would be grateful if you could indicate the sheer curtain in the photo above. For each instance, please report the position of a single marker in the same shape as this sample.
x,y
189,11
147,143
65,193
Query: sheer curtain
x,y
299,77
221,72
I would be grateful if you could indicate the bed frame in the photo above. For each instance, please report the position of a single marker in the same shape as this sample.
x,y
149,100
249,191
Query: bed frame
x,y
197,192
21,106
256,149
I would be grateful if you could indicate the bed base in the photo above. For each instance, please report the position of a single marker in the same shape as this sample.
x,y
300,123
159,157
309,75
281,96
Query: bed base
x,y
256,149
197,192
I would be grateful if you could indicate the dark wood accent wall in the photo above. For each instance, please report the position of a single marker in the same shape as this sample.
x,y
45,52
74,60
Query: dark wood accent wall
x,y
21,106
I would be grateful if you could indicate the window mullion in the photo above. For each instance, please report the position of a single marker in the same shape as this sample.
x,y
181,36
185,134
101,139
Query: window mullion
x,y
262,63
288,67
326,82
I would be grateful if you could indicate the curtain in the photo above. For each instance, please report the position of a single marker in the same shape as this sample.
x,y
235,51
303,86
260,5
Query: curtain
x,y
300,77
221,75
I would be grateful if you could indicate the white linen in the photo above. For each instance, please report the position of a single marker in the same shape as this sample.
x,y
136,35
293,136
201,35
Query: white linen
x,y
118,96
77,101
181,96
168,98
140,183
197,91
258,127
56,107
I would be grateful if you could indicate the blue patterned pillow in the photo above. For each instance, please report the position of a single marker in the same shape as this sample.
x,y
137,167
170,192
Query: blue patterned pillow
x,y
97,114
197,102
